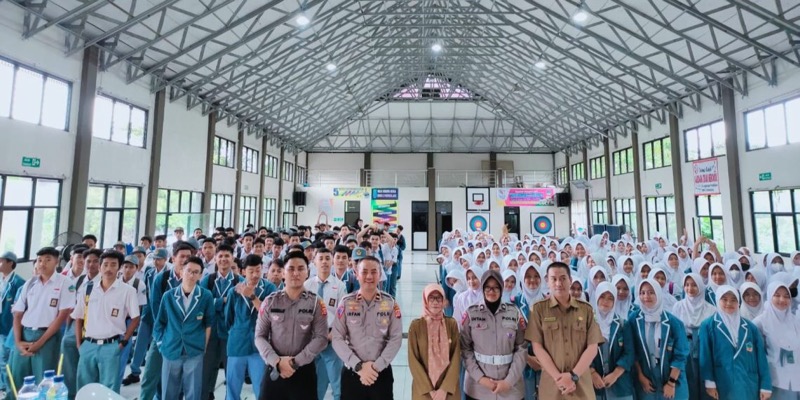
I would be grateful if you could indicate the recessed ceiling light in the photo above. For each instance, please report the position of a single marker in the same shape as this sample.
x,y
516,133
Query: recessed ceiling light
x,y
540,64
580,17
302,20
331,67
436,47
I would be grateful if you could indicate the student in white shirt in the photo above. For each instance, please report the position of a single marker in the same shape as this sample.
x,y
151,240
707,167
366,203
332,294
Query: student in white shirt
x,y
128,276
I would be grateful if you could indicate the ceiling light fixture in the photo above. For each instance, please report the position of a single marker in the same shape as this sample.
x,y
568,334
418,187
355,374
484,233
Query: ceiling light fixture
x,y
302,20
580,17
331,67
540,64
436,47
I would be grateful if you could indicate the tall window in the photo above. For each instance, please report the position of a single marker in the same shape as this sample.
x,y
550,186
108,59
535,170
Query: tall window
x,y
224,152
112,214
221,210
776,220
578,171
623,161
658,153
597,167
118,121
705,141
287,205
625,214
249,160
33,96
29,212
288,171
661,216
772,126
599,212
709,217
302,176
271,165
578,211
248,207
270,207
561,176
289,216
179,208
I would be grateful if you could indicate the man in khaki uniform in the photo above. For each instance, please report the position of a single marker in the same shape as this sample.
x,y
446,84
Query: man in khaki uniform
x,y
565,339
291,330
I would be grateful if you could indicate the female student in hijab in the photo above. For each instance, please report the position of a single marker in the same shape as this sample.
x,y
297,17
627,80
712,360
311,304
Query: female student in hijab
x,y
773,263
510,289
780,330
700,267
661,347
532,291
456,282
692,311
752,300
735,274
611,368
576,290
757,276
470,296
660,276
434,353
624,299
733,362
597,275
716,277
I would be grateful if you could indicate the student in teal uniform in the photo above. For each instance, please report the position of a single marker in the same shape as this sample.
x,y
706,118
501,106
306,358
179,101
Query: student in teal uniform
x,y
733,361
612,366
10,283
780,329
182,330
241,313
692,311
532,291
661,347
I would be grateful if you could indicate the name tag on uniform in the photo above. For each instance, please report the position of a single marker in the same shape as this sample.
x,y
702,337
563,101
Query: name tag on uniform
x,y
53,302
114,312
549,319
332,303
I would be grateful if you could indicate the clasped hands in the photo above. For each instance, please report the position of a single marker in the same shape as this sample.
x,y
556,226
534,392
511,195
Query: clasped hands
x,y
565,383
496,386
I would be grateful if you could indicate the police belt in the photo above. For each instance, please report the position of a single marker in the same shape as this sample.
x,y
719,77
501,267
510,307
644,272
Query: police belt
x,y
494,360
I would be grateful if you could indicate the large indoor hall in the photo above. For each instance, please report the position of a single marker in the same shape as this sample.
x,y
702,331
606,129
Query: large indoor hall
x,y
400,199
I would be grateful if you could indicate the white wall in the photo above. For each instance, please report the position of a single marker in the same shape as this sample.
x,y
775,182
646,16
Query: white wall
x,y
183,148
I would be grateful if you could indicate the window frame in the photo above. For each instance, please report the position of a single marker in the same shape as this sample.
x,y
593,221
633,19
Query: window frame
x,y
794,213
595,164
627,218
561,177
123,209
696,129
269,217
617,162
272,168
131,108
248,211
216,157
170,213
249,160
288,171
666,146
665,213
711,216
45,76
31,210
578,171
302,175
599,213
762,110
220,216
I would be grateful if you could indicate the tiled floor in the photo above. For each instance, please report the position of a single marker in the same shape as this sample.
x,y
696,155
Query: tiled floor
x,y
419,269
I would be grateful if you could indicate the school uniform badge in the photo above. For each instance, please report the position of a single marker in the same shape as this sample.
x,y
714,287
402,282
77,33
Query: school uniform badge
x,y
114,312
53,302
749,347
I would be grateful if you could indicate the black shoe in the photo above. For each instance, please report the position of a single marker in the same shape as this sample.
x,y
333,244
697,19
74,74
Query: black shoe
x,y
247,379
130,379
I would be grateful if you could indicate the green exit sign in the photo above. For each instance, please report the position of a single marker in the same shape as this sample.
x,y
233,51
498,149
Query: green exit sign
x,y
765,176
658,186
32,162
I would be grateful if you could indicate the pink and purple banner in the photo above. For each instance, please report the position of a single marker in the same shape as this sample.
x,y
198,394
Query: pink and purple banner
x,y
526,197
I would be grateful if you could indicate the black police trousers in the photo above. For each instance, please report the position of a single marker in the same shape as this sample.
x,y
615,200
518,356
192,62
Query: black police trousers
x,y
382,389
301,386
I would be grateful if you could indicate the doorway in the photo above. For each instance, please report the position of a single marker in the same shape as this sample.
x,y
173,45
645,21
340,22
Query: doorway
x,y
352,211
444,219
511,219
419,225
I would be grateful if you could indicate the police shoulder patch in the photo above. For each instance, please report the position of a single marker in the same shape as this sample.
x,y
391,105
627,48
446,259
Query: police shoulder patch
x,y
522,324
397,311
340,311
464,318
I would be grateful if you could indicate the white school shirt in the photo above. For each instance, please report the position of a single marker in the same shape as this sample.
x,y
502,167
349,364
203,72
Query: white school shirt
x,y
334,291
108,309
141,295
41,302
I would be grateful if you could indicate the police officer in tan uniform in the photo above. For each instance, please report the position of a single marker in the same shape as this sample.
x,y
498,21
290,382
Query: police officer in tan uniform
x,y
565,339
366,335
492,345
292,329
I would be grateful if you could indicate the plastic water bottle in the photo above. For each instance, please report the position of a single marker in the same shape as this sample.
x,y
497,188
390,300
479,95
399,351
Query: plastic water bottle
x,y
46,383
59,390
28,391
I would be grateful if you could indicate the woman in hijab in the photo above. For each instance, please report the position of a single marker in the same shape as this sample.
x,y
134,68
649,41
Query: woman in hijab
x,y
626,267
456,282
757,276
660,276
434,353
532,292
469,297
752,300
674,271
596,275
773,263
733,362
716,277
780,330
692,311
624,299
700,267
685,259
510,289
735,274
576,290
611,368
661,347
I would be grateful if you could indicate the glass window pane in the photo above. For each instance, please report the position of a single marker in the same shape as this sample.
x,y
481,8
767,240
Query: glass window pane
x,y
114,197
702,205
776,125
716,205
787,243
704,140
44,228
137,127
130,225
13,236
161,223
670,204
718,133
718,235
197,202
162,200
705,226
648,156
56,102
95,196
131,197
764,235
111,229
761,202
215,157
19,191
47,192
658,160
781,201
756,136
93,221
174,201
186,199
101,125
27,105
667,151
122,118
793,120
692,145
6,83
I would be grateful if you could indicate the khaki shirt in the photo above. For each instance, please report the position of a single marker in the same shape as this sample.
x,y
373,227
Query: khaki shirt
x,y
367,332
291,328
488,334
565,335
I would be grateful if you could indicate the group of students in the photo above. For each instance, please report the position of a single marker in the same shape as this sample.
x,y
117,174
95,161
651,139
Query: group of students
x,y
672,320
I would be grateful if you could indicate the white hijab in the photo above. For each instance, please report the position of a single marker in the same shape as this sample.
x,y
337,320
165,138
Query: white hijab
x,y
731,321
531,295
508,296
781,327
590,286
622,307
711,283
734,278
693,310
652,314
746,310
668,300
604,319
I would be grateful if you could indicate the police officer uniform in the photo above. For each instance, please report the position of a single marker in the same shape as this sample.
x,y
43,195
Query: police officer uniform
x,y
151,382
328,364
217,344
493,346
291,328
367,331
103,313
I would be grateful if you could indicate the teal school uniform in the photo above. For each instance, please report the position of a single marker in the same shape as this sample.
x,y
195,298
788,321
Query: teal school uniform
x,y
218,286
620,353
151,381
672,349
529,377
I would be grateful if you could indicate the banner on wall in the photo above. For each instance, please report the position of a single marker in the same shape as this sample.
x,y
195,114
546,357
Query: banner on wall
x,y
384,206
706,177
526,197
352,193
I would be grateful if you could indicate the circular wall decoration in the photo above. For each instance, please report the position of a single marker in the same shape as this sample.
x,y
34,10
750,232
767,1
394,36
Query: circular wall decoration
x,y
478,222
542,225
